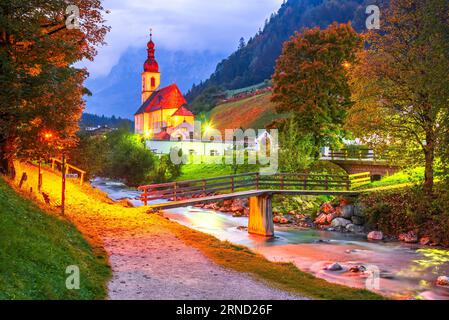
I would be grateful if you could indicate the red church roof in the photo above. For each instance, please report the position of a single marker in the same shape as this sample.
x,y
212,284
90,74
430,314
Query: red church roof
x,y
183,111
166,98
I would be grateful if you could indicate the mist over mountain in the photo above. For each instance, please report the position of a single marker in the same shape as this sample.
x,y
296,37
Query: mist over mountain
x,y
119,92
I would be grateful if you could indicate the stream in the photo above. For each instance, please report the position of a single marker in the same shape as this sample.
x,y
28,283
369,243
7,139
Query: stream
x,y
394,269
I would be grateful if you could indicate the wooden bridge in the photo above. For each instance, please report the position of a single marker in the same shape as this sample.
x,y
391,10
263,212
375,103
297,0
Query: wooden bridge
x,y
258,188
362,160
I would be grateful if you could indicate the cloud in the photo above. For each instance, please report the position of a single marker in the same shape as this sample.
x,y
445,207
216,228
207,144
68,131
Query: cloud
x,y
189,25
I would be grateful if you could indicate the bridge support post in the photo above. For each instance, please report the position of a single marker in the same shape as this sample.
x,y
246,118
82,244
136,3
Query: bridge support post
x,y
261,216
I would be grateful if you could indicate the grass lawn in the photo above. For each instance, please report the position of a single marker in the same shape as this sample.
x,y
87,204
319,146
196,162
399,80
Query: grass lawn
x,y
36,247
204,171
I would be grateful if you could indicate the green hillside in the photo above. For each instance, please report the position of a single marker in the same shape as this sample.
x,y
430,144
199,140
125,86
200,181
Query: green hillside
x,y
35,250
253,112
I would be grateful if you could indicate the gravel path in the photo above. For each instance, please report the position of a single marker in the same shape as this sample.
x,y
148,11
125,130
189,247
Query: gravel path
x,y
147,260
163,267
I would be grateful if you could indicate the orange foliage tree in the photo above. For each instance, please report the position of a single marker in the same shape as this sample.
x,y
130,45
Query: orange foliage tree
x,y
40,90
401,85
310,80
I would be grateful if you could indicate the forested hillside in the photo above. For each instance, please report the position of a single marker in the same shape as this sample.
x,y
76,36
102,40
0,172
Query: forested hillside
x,y
254,61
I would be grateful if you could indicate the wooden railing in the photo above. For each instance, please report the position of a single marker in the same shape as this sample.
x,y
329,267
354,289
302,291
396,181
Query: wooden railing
x,y
360,179
174,191
68,167
357,154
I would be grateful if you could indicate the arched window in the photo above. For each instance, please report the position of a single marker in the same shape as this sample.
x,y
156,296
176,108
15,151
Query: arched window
x,y
153,82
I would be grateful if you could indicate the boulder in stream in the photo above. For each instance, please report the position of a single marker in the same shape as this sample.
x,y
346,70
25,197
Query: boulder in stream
x,y
347,211
334,267
409,237
443,281
340,222
375,235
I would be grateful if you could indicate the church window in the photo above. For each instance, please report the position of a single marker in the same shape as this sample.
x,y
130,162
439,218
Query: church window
x,y
153,82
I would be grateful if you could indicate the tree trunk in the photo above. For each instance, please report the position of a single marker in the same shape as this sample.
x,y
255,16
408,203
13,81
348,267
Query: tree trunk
x,y
429,155
6,157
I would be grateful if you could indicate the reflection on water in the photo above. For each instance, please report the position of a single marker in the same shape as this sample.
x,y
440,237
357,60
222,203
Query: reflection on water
x,y
406,271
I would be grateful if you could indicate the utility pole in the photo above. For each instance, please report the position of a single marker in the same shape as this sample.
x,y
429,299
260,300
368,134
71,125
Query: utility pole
x,y
63,184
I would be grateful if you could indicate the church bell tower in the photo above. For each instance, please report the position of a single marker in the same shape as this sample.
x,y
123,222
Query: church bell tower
x,y
151,78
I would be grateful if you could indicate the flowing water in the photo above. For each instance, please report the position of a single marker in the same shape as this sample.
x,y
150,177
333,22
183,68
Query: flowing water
x,y
398,270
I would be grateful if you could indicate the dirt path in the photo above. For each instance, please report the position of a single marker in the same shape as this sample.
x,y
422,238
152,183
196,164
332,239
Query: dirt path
x,y
160,266
148,261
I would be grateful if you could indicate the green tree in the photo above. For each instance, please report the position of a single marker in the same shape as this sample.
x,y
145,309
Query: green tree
x,y
310,80
297,151
401,86
128,159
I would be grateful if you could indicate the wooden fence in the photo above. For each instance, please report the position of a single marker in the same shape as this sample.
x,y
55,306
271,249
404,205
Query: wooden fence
x,y
68,167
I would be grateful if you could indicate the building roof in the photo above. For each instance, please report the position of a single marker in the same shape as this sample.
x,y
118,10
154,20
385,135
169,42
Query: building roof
x,y
183,112
163,135
166,98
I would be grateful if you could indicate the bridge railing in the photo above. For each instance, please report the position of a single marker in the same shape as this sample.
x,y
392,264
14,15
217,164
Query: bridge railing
x,y
356,154
174,191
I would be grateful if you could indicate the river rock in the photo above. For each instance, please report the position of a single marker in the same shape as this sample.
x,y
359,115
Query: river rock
x,y
357,269
321,219
327,208
425,241
375,235
359,221
340,222
334,267
358,210
347,211
354,228
330,217
443,281
409,237
283,220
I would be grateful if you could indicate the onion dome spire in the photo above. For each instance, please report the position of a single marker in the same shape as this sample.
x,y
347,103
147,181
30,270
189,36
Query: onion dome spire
x,y
150,64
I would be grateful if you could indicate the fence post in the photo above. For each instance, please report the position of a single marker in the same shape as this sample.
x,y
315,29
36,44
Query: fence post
x,y
326,181
257,180
348,183
360,154
204,185
174,190
282,181
144,196
232,184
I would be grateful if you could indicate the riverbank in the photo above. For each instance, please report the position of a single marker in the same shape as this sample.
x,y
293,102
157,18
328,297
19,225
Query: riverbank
x,y
153,258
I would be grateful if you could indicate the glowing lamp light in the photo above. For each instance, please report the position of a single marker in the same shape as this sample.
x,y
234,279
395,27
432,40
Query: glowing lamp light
x,y
48,135
208,127
346,65
147,134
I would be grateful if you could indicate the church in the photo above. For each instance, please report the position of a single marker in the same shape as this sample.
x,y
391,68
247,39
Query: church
x,y
163,113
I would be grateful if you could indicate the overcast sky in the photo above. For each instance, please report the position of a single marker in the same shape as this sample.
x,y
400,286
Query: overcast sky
x,y
214,25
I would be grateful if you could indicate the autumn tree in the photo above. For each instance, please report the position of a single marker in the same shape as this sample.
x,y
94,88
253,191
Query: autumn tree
x,y
401,86
40,90
310,81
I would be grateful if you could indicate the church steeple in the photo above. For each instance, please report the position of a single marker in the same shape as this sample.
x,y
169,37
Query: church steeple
x,y
151,77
